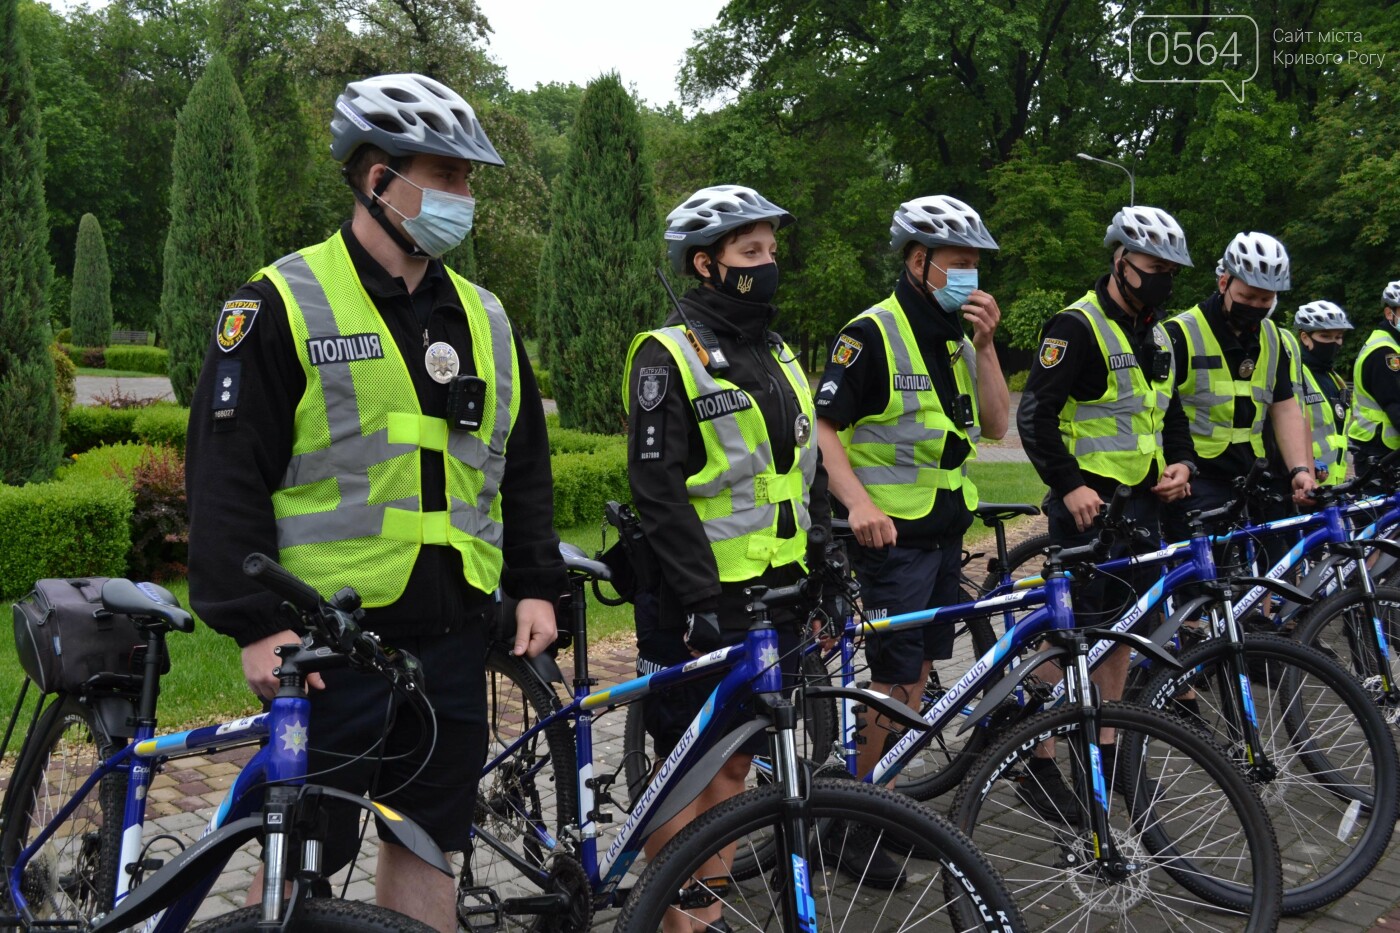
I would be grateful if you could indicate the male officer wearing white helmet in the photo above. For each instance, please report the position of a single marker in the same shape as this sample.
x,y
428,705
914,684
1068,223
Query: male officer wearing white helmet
x,y
1321,326
900,407
1233,371
1099,411
1375,426
329,429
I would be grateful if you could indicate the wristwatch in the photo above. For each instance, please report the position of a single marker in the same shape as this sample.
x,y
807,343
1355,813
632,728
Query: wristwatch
x,y
1298,469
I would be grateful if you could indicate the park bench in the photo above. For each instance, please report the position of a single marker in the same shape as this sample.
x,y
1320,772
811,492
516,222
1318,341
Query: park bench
x,y
135,337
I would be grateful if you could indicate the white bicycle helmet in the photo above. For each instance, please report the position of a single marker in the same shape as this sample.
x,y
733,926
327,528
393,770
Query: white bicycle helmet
x,y
1150,231
1321,315
939,220
1259,260
405,115
1391,295
707,215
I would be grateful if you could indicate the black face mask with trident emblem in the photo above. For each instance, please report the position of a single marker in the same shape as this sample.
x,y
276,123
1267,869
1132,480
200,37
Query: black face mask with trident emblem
x,y
756,284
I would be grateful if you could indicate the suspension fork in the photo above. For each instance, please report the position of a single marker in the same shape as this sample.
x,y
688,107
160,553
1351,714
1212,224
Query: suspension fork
x,y
799,905
1234,688
1093,790
1376,641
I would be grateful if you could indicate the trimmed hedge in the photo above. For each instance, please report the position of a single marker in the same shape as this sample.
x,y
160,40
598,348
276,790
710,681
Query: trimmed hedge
x,y
162,424
569,441
153,360
91,425
63,529
584,482
103,462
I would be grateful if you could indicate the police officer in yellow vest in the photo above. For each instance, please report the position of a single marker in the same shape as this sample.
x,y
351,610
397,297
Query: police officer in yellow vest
x,y
901,405
1234,375
723,464
1375,426
1323,395
1099,411
322,431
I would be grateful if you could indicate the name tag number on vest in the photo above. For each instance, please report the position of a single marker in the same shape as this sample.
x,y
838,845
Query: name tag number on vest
x,y
324,350
717,404
918,382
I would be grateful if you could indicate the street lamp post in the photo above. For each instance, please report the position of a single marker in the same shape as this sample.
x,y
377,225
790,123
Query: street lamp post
x,y
1132,183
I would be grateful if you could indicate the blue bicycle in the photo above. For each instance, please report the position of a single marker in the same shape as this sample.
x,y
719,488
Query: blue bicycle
x,y
72,849
792,855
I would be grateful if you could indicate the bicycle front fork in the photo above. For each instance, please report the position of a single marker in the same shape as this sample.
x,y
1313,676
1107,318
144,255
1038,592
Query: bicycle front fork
x,y
799,905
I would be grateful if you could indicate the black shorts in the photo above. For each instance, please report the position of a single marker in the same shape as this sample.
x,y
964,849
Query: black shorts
x,y
667,714
897,580
1104,598
349,718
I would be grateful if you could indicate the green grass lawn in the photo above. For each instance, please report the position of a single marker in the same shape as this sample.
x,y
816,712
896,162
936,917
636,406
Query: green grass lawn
x,y
205,684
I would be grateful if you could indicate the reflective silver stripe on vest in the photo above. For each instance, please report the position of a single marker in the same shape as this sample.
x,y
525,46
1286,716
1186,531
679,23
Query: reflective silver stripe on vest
x,y
349,450
475,518
1204,397
747,515
906,431
1124,437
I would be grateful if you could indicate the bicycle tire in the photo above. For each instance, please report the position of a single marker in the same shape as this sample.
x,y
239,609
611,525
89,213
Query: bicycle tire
x,y
1341,628
75,876
819,718
322,915
536,788
932,851
1331,769
1044,858
1017,558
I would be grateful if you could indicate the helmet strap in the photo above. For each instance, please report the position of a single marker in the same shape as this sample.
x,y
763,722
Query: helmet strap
x,y
372,204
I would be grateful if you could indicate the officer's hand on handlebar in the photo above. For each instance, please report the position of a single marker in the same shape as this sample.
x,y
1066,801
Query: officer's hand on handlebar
x,y
260,660
702,634
1084,505
1303,486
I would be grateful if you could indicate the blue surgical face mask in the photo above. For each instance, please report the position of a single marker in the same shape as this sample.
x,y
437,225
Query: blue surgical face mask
x,y
443,221
961,284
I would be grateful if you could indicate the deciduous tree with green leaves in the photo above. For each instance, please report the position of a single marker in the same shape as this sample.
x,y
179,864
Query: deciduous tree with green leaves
x,y
29,448
91,299
215,238
597,284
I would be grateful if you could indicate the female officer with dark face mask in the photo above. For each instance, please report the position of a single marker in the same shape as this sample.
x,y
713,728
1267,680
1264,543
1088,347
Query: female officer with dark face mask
x,y
723,463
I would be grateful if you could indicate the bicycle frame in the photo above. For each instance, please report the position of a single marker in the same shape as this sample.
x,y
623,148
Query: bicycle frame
x,y
752,669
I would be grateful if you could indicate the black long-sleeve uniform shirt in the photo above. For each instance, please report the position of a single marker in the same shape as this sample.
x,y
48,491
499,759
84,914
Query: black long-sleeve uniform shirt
x,y
1237,459
856,387
665,447
1080,372
1383,384
233,465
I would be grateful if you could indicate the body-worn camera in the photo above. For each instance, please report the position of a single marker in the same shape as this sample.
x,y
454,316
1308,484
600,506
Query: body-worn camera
x,y
466,403
962,411
1161,364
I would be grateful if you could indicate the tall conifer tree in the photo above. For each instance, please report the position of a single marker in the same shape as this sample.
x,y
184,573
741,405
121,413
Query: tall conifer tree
x,y
91,298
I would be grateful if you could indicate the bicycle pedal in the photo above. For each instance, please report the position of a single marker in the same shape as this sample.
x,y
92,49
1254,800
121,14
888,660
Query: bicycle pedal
x,y
703,893
479,910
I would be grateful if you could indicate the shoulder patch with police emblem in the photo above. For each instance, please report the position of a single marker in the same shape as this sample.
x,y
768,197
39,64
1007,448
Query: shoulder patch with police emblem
x,y
235,320
1052,350
846,350
1392,362
651,386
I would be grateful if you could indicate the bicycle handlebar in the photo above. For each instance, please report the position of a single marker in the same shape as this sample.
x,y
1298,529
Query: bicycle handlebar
x,y
282,582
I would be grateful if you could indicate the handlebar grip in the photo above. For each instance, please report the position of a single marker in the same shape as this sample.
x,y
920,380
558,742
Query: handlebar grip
x,y
282,582
1117,505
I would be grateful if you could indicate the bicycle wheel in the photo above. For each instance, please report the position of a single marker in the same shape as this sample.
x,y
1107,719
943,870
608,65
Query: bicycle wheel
x,y
1328,780
1209,825
1021,561
534,790
321,915
815,740
1343,630
941,871
74,875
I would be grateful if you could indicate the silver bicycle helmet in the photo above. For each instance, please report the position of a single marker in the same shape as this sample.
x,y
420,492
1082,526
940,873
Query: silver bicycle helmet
x,y
1259,260
1150,231
405,115
1321,315
1391,296
707,215
938,220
